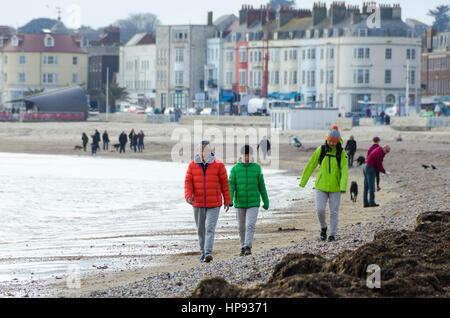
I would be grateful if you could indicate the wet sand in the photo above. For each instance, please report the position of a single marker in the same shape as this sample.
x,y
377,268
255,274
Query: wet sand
x,y
60,138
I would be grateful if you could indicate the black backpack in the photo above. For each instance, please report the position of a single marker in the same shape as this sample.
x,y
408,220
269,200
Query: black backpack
x,y
323,153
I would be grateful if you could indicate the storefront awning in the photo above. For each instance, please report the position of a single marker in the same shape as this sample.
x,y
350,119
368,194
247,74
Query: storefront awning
x,y
227,95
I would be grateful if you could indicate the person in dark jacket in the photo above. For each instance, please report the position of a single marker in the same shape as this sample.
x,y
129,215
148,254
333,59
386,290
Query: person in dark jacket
x,y
97,139
85,140
105,139
130,135
350,148
134,141
140,138
94,145
374,163
122,141
264,146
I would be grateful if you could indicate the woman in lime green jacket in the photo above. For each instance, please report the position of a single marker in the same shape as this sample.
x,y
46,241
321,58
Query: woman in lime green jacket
x,y
247,187
331,180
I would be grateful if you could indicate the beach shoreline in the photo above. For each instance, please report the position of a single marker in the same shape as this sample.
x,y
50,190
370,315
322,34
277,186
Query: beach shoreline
x,y
356,225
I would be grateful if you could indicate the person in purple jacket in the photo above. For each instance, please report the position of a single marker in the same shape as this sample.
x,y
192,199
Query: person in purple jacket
x,y
374,163
376,143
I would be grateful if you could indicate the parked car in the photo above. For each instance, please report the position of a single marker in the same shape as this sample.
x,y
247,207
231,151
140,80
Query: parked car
x,y
206,112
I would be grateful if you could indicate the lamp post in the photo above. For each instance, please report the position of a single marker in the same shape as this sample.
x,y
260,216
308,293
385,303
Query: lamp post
x,y
107,92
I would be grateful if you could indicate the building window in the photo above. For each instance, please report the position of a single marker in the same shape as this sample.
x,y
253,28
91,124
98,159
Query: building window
x,y
22,59
313,54
178,100
321,54
242,78
230,56
6,59
330,76
242,55
179,55
74,79
179,78
50,78
303,54
229,79
321,76
21,77
277,77
49,41
387,76
410,54
330,101
75,60
163,100
5,78
388,54
331,54
285,78
361,76
412,77
50,60
361,53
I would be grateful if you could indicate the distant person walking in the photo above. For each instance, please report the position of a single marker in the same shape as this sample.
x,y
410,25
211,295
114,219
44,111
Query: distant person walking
x,y
140,138
97,138
85,140
247,187
368,112
105,138
205,184
374,163
331,180
94,145
264,147
130,135
376,144
350,147
387,119
382,115
134,141
437,110
122,141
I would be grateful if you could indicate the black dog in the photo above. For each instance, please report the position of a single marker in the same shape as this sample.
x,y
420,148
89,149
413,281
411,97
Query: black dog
x,y
353,191
117,146
360,160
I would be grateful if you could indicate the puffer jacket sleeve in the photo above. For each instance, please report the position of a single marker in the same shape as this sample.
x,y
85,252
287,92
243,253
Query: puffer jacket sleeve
x,y
189,183
232,184
262,189
312,165
344,172
223,178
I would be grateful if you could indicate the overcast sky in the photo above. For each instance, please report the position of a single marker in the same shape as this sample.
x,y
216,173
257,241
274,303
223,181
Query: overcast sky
x,y
98,13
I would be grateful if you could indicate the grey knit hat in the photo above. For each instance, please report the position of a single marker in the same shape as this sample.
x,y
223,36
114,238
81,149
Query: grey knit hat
x,y
334,134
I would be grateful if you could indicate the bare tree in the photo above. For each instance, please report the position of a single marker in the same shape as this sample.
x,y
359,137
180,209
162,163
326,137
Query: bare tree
x,y
137,23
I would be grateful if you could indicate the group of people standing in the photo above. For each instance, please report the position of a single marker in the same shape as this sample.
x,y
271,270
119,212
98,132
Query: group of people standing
x,y
136,141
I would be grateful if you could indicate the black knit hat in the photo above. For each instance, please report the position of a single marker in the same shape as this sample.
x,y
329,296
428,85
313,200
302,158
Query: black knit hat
x,y
246,150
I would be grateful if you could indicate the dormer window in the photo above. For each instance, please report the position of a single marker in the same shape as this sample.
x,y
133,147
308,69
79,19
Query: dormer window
x,y
15,41
49,41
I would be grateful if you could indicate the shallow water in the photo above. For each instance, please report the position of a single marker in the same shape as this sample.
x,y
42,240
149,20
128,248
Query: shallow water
x,y
60,210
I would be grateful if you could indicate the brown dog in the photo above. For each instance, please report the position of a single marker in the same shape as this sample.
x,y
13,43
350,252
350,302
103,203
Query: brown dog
x,y
77,148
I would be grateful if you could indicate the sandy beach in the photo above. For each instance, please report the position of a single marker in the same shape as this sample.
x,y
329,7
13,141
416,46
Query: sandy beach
x,y
409,191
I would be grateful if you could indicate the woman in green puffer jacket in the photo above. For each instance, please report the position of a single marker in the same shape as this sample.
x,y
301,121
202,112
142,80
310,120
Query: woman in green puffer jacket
x,y
331,180
247,188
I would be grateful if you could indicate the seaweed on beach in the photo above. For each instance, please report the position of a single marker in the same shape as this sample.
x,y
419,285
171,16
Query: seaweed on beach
x,y
413,264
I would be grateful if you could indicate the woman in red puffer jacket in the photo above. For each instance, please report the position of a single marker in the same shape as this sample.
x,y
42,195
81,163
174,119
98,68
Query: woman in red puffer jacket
x,y
205,184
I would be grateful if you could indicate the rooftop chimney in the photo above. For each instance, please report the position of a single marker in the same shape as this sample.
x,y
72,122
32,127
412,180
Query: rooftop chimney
x,y
337,12
210,18
319,12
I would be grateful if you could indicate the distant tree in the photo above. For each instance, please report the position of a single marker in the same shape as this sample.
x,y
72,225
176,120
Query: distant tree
x,y
30,91
115,93
275,4
36,25
441,17
137,23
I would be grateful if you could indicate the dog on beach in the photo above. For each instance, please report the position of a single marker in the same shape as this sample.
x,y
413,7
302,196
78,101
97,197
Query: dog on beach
x,y
353,191
117,146
77,148
360,160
